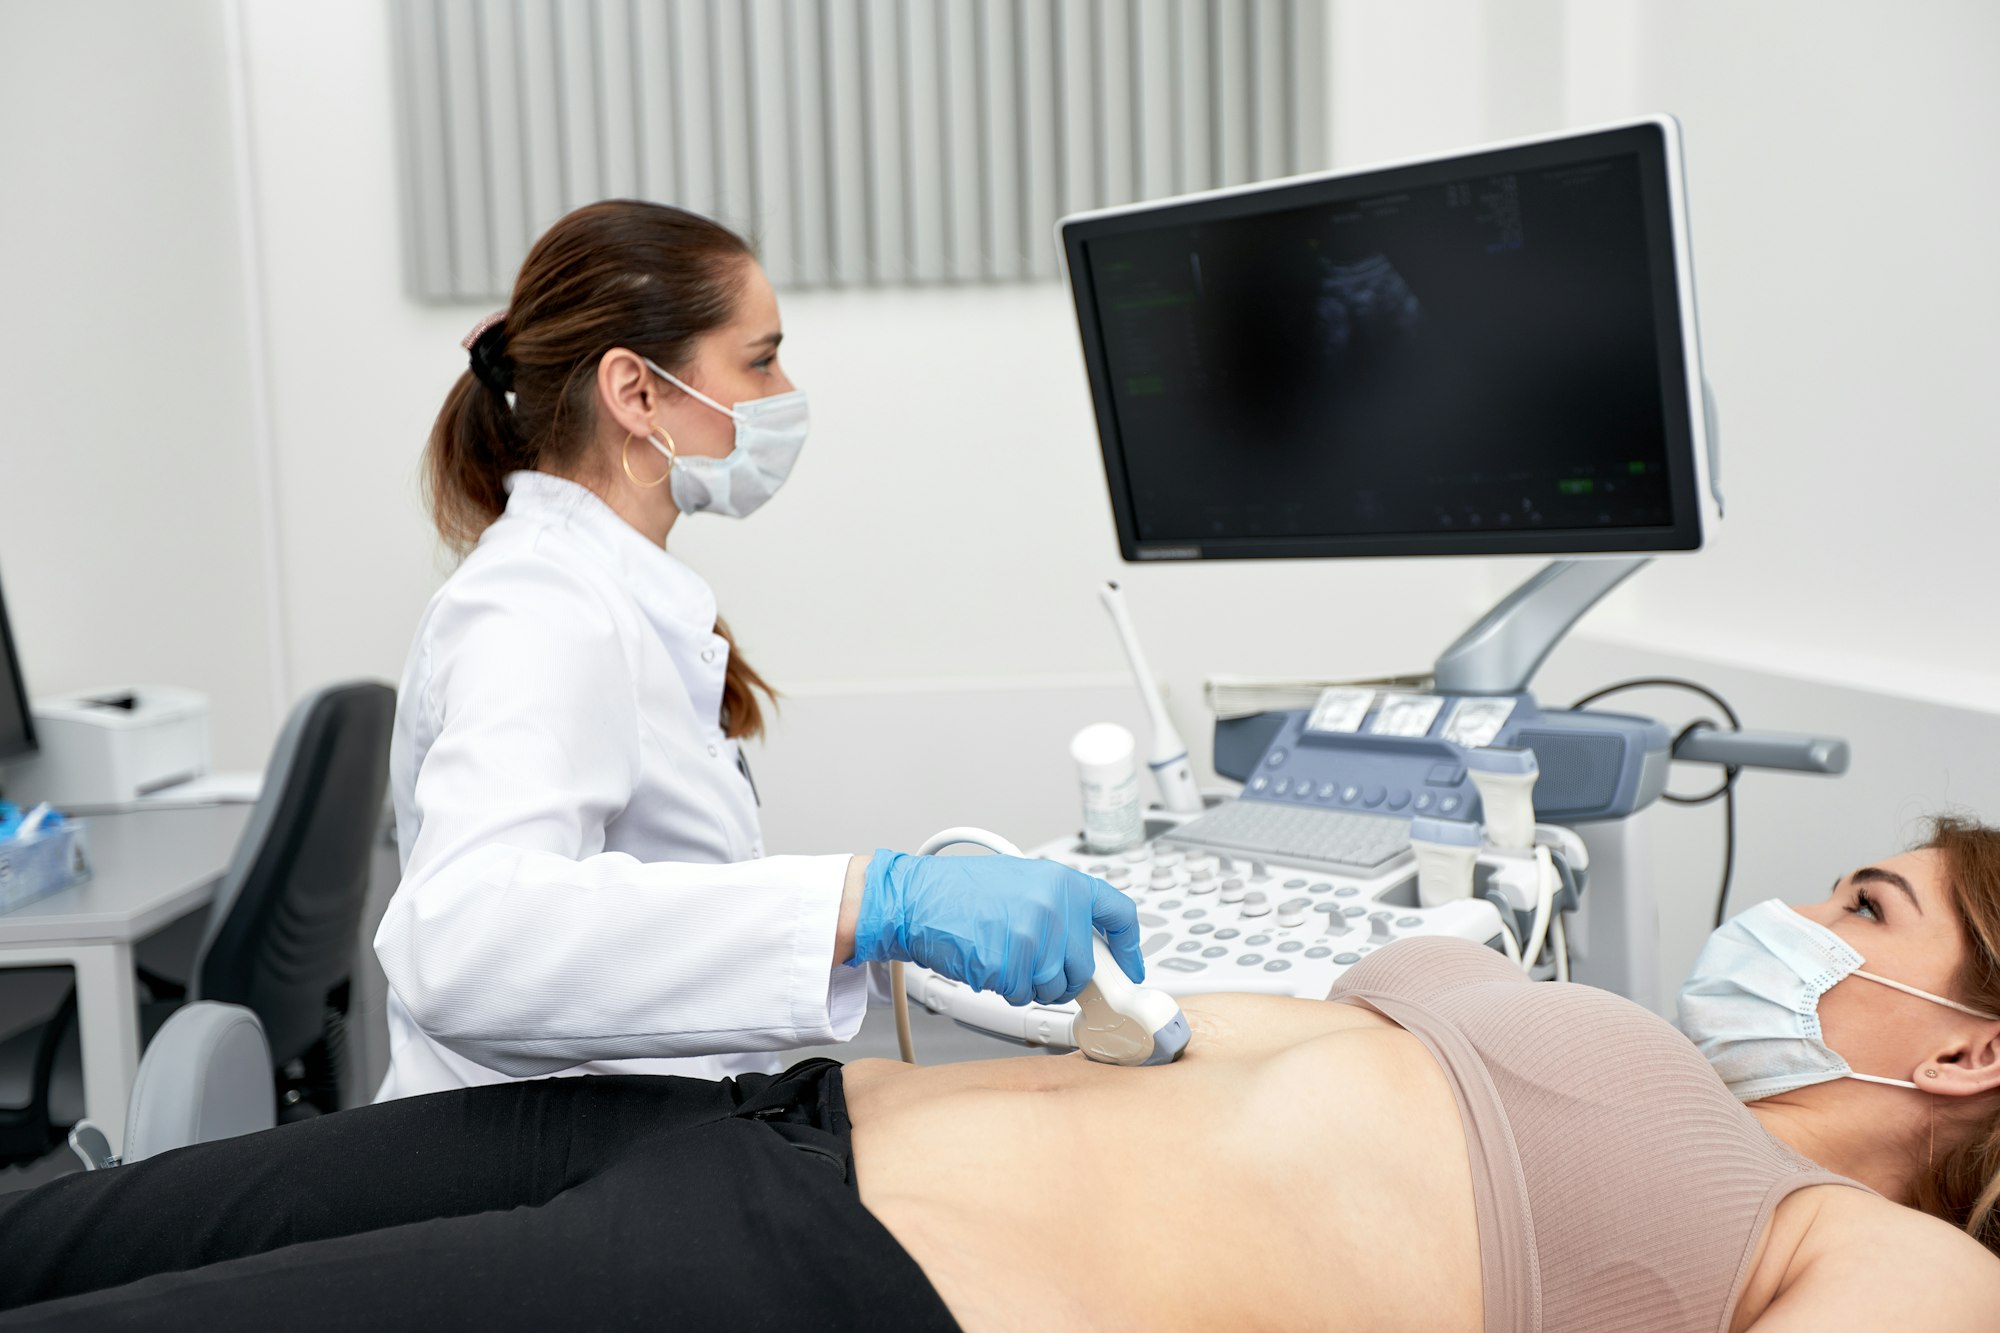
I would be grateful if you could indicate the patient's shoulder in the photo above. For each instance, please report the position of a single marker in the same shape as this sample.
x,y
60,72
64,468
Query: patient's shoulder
x,y
1866,1262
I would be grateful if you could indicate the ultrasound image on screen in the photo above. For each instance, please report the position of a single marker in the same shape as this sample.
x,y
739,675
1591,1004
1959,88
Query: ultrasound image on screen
x,y
1475,355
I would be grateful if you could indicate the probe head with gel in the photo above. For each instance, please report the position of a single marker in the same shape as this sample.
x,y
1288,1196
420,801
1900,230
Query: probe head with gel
x,y
1121,1023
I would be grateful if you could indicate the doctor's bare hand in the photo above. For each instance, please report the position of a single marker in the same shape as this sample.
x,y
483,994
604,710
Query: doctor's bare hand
x,y
1020,928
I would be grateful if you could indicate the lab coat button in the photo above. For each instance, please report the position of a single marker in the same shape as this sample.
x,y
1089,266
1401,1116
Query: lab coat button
x,y
708,654
714,750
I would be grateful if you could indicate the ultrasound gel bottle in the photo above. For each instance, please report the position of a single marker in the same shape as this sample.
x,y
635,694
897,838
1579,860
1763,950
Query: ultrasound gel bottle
x,y
1107,764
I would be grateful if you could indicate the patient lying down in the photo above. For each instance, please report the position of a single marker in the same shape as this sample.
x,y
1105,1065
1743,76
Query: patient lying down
x,y
1448,1146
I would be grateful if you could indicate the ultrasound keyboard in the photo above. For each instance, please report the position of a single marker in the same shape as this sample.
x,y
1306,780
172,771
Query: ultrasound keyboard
x,y
1336,841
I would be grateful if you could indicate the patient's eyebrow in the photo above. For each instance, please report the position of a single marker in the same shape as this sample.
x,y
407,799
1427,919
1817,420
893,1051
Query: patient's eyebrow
x,y
1876,874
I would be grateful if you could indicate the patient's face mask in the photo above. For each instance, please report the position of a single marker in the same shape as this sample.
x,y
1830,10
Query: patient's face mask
x,y
1751,1004
769,434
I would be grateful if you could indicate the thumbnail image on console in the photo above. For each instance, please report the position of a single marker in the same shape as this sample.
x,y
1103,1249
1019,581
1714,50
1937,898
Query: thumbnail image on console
x,y
1466,356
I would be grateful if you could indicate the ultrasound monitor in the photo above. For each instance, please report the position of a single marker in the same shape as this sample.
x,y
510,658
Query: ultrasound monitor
x,y
1488,353
17,724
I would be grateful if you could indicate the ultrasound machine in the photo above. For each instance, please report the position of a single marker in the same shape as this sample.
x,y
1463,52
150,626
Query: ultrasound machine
x,y
1492,352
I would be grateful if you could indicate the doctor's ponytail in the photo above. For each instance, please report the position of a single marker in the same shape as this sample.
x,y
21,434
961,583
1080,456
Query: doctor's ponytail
x,y
620,273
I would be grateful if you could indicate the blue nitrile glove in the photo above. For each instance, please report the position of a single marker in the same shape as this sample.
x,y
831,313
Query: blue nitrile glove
x,y
1017,927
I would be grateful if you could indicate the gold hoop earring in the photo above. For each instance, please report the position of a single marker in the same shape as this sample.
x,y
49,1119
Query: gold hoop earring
x,y
625,460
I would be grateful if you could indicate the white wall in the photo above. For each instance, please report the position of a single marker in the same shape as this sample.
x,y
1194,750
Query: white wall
x,y
945,529
1839,161
952,447
129,506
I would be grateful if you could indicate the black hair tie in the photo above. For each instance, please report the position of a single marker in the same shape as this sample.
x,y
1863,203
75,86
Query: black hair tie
x,y
490,365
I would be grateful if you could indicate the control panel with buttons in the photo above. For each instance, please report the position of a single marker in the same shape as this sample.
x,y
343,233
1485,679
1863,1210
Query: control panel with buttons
x,y
1369,760
1392,775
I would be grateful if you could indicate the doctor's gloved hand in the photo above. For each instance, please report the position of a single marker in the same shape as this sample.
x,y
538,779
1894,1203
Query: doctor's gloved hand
x,y
1017,927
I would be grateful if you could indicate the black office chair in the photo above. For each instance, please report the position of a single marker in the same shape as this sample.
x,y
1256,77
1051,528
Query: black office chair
x,y
26,1131
281,932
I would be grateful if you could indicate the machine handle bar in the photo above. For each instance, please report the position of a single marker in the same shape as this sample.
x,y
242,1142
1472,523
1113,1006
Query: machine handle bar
x,y
1763,749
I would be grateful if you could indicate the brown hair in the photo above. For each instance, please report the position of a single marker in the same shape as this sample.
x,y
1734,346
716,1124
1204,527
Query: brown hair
x,y
621,273
1963,1186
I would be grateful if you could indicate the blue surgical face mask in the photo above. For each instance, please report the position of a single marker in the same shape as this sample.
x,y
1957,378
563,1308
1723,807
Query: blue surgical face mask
x,y
1751,1004
769,434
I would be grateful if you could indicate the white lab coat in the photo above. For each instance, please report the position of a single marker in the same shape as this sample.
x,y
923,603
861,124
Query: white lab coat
x,y
584,882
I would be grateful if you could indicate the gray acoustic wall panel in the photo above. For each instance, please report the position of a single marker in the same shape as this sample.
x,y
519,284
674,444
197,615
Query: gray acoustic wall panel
x,y
859,142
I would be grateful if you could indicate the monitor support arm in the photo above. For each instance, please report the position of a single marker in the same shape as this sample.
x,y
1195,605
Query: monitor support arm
x,y
1501,653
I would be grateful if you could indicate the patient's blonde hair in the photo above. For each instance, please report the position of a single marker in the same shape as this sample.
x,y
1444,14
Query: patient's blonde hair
x,y
1963,1185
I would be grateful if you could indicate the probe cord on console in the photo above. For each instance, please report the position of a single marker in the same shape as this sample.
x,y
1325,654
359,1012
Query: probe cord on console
x,y
1725,791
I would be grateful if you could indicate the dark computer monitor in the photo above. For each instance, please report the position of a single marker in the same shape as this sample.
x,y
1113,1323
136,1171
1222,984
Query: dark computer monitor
x,y
17,724
1487,353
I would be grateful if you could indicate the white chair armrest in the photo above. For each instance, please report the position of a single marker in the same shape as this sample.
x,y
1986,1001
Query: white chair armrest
x,y
206,1076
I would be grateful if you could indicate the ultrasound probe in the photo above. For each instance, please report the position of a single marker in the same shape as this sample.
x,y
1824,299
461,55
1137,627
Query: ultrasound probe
x,y
1120,1023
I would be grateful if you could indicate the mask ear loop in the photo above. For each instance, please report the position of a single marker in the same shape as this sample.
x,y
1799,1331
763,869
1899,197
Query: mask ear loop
x,y
625,458
1926,995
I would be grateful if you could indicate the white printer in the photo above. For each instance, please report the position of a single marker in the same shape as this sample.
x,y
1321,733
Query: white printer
x,y
113,746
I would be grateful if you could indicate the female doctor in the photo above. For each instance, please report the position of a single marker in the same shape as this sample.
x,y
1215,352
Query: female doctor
x,y
584,883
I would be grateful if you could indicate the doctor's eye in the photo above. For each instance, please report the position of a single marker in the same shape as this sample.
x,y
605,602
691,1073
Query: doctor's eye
x,y
1863,903
763,363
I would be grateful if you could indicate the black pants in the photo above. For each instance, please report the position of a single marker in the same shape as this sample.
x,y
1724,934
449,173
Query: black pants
x,y
626,1202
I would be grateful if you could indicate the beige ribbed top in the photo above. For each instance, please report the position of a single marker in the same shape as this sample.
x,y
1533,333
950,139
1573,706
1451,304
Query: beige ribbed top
x,y
1618,1183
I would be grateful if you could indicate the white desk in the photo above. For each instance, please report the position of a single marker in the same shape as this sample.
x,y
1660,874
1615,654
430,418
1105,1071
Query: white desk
x,y
148,868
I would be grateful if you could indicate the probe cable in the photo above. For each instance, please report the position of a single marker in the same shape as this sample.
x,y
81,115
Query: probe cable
x,y
899,998
1724,791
